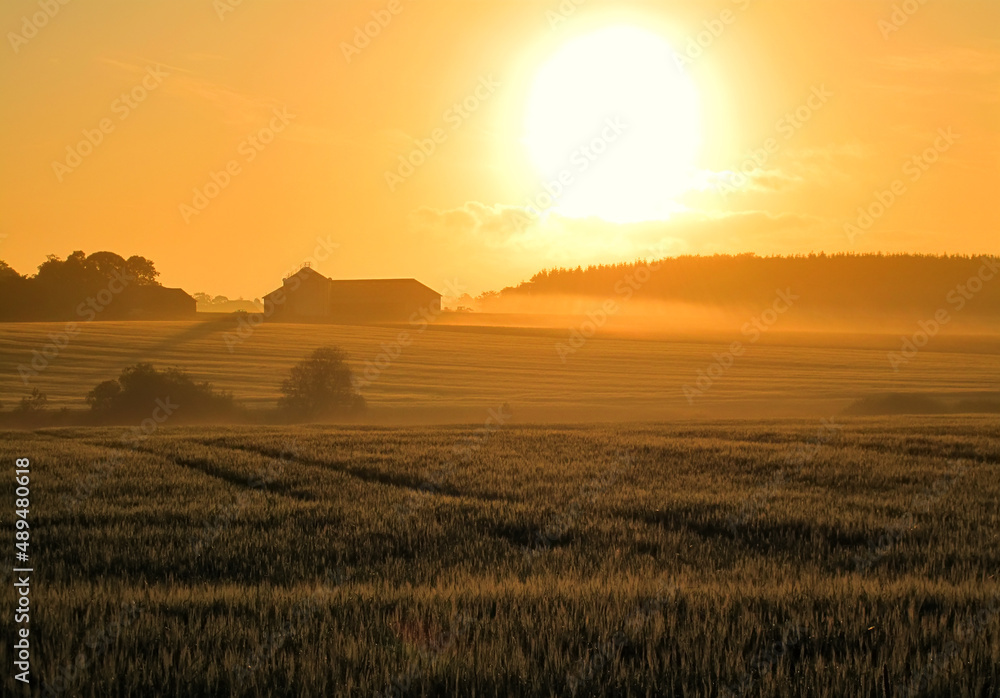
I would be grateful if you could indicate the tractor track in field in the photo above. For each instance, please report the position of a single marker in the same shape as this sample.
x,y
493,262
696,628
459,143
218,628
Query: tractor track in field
x,y
368,475
204,466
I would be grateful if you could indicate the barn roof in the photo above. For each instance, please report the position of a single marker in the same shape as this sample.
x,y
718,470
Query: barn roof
x,y
370,289
154,292
349,286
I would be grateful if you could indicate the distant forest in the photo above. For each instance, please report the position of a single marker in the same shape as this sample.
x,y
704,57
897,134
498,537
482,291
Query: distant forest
x,y
867,282
82,287
78,287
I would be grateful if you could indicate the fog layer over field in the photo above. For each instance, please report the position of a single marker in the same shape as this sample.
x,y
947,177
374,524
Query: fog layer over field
x,y
786,310
459,366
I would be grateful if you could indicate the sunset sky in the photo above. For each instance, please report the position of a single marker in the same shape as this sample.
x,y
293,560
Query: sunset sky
x,y
503,95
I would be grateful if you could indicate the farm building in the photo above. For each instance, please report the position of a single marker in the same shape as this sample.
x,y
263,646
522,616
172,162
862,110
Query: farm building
x,y
307,295
153,302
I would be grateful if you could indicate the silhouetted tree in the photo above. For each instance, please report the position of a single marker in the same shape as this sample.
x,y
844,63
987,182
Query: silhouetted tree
x,y
14,294
7,273
105,265
141,389
105,396
321,386
60,285
142,270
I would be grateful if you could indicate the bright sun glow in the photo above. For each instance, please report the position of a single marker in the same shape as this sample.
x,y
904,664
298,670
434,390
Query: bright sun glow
x,y
623,174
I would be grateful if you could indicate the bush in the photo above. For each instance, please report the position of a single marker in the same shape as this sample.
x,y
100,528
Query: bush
x,y
36,402
141,389
321,386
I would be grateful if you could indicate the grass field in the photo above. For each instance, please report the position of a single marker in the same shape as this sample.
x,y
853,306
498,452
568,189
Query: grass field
x,y
772,558
449,373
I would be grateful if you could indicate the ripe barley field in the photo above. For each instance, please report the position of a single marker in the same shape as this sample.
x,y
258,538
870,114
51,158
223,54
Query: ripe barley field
x,y
852,557
444,373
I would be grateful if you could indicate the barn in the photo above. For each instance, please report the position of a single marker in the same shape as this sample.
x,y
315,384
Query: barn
x,y
307,295
153,302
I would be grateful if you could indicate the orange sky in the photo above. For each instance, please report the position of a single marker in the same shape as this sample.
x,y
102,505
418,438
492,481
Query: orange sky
x,y
205,81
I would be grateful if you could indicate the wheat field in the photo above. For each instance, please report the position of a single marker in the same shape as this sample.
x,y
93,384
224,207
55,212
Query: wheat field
x,y
852,556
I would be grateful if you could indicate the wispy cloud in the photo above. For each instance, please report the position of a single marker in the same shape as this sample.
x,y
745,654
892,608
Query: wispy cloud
x,y
561,239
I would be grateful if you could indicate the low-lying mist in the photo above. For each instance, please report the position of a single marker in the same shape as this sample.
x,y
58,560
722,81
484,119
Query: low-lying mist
x,y
785,313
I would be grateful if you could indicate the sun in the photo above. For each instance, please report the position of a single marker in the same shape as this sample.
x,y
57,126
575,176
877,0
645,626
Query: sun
x,y
613,127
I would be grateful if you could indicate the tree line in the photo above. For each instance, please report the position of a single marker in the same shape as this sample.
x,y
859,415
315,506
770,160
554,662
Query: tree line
x,y
875,282
75,287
